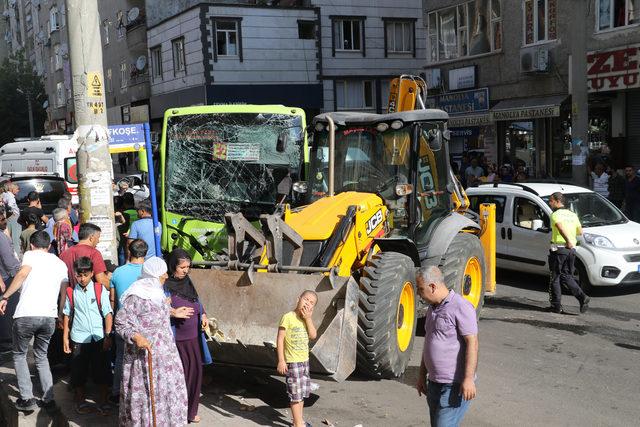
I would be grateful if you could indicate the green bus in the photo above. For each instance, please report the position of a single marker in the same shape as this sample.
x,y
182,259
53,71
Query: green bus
x,y
219,159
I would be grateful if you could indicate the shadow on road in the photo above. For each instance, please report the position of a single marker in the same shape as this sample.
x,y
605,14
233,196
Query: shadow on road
x,y
255,396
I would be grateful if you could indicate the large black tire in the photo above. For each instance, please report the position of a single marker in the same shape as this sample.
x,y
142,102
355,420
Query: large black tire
x,y
381,315
462,250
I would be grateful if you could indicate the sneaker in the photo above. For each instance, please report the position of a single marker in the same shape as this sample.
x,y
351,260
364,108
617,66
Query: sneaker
x,y
26,405
584,304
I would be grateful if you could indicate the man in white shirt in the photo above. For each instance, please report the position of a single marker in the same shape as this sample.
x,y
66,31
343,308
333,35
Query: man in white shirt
x,y
600,180
42,277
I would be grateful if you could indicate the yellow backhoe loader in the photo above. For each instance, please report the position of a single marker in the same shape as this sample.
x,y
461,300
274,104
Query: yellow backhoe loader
x,y
381,201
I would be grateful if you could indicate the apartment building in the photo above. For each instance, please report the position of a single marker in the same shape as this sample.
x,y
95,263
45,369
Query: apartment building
x,y
125,60
502,70
228,53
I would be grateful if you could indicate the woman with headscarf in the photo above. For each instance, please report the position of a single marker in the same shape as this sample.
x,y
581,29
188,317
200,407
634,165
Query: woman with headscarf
x,y
143,323
188,332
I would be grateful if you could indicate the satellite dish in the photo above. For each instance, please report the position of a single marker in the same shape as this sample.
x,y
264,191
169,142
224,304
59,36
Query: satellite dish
x,y
141,62
133,14
45,104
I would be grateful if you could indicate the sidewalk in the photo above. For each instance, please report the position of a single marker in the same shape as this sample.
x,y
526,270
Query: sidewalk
x,y
223,401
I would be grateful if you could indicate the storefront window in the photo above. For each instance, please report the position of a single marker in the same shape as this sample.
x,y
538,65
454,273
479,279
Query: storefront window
x,y
520,149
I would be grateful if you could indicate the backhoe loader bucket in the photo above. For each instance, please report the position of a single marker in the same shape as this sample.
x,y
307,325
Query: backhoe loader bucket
x,y
248,312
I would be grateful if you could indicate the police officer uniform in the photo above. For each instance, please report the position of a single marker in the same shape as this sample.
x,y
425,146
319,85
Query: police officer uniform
x,y
561,260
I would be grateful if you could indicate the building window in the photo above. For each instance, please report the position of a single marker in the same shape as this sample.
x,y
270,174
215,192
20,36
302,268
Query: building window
x,y
399,36
121,26
616,13
347,34
109,82
156,62
539,21
60,95
123,75
105,31
354,95
227,38
465,30
57,57
177,47
53,19
306,30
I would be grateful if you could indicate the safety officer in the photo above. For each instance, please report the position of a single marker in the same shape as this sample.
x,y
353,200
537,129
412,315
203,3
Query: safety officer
x,y
565,227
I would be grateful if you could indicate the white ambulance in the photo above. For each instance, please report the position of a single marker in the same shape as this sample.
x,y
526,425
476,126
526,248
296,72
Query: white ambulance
x,y
47,155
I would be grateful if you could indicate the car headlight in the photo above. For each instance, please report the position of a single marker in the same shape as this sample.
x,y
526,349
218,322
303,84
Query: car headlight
x,y
597,240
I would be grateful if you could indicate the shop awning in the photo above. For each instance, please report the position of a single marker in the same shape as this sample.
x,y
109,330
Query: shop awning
x,y
528,108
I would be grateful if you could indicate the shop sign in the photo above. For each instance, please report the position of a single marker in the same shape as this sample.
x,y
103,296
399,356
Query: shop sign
x,y
614,69
469,121
465,102
462,78
471,132
526,113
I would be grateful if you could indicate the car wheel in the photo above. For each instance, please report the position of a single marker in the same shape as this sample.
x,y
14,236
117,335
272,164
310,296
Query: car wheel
x,y
581,276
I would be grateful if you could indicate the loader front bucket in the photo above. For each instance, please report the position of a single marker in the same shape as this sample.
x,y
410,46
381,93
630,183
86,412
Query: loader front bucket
x,y
247,316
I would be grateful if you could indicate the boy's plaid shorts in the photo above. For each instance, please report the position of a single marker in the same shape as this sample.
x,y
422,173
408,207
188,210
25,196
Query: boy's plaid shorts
x,y
298,381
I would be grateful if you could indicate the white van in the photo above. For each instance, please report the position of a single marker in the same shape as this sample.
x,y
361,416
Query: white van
x,y
608,253
47,155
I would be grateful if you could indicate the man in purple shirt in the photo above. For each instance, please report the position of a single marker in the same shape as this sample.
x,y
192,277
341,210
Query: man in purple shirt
x,y
450,354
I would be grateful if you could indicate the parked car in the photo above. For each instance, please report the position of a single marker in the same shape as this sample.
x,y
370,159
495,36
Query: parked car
x,y
608,253
50,188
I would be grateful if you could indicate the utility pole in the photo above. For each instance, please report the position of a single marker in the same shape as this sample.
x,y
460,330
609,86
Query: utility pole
x,y
27,94
579,96
95,169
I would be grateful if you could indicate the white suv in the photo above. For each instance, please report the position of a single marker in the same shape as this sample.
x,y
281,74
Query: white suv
x,y
608,253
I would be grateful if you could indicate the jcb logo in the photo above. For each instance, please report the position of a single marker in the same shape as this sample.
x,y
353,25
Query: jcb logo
x,y
374,221
428,185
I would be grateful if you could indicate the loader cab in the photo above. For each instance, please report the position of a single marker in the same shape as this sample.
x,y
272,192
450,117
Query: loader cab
x,y
400,157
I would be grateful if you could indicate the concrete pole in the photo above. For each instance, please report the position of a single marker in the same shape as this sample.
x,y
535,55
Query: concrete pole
x,y
95,169
579,95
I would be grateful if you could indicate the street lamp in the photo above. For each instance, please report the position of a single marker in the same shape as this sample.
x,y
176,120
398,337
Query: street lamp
x,y
27,94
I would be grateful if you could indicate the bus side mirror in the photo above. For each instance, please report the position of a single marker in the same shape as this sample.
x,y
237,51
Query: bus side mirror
x,y
281,144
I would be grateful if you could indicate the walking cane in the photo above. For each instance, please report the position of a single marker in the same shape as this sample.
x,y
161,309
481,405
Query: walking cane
x,y
153,399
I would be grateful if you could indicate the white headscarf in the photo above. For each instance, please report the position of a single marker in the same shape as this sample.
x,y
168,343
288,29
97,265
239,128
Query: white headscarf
x,y
148,286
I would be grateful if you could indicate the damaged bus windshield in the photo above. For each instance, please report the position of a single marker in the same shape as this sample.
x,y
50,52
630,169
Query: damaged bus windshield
x,y
230,162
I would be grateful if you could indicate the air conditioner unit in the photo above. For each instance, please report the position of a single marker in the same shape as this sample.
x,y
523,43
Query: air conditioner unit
x,y
535,59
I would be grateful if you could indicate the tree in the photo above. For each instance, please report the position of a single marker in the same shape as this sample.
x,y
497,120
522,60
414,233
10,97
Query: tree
x,y
18,81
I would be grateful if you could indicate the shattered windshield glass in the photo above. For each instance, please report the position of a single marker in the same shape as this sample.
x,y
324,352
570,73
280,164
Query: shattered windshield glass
x,y
236,162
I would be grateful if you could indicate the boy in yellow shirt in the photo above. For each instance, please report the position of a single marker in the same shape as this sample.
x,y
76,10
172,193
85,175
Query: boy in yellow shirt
x,y
295,330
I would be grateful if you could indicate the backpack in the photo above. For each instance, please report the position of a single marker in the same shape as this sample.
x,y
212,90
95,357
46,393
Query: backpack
x,y
97,288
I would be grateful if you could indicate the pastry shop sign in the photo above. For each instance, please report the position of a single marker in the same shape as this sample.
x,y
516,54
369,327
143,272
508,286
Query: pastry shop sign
x,y
614,69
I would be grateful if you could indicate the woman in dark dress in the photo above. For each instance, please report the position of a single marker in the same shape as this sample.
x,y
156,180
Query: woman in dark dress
x,y
188,321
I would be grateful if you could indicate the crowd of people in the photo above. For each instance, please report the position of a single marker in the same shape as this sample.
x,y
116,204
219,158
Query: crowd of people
x,y
104,322
477,169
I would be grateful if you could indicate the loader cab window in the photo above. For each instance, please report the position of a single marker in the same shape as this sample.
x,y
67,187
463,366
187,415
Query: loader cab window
x,y
366,160
435,201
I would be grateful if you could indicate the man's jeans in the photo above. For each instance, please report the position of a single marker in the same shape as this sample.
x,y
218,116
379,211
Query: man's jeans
x,y
446,405
117,370
40,329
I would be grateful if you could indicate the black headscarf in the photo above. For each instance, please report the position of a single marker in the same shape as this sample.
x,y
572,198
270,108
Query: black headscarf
x,y
181,287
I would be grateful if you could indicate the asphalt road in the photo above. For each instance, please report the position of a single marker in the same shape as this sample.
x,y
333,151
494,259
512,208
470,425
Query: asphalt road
x,y
536,369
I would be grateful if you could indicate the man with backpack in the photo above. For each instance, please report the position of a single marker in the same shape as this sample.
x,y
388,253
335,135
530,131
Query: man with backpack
x,y
87,326
40,280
